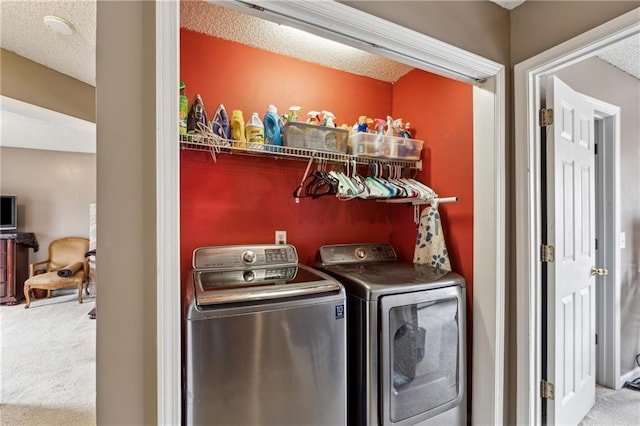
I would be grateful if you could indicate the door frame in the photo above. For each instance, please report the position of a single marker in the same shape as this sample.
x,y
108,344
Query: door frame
x,y
401,44
528,79
608,254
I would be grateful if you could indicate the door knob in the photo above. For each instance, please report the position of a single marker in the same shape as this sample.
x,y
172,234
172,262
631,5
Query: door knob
x,y
599,271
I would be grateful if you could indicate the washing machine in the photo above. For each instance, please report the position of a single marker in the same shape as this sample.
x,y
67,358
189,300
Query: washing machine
x,y
406,337
264,340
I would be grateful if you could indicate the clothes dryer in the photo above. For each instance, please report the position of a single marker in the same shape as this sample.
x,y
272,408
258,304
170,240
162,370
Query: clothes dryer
x,y
406,337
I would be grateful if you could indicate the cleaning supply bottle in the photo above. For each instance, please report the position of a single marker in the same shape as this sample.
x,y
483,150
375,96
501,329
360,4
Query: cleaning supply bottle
x,y
254,130
237,128
294,112
197,114
272,131
220,123
362,123
184,109
328,119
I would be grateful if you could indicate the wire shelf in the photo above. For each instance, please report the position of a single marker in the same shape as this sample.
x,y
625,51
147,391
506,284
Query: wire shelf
x,y
213,144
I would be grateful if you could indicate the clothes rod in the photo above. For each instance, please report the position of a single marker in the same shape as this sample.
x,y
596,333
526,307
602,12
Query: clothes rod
x,y
421,201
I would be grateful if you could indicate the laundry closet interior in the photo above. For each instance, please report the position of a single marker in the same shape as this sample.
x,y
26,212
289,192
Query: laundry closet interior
x,y
231,198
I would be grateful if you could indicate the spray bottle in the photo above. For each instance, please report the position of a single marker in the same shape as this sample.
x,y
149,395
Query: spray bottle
x,y
379,140
328,119
313,117
294,111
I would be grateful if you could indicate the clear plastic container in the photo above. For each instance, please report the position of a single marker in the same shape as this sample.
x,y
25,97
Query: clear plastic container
x,y
377,145
318,138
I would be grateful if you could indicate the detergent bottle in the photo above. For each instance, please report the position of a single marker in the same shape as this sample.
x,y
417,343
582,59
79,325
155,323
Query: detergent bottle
x,y
254,130
272,135
237,128
184,109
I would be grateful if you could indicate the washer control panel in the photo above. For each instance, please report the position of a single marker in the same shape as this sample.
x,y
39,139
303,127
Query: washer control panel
x,y
356,253
233,257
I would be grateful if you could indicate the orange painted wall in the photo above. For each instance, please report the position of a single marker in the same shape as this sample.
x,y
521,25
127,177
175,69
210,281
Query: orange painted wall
x,y
241,199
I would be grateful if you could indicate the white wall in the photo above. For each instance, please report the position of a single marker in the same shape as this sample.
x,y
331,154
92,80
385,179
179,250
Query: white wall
x,y
600,80
54,190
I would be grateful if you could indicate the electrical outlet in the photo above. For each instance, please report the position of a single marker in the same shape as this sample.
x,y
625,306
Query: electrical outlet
x,y
281,237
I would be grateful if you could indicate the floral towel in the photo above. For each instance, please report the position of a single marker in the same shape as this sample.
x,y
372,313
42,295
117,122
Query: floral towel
x,y
431,248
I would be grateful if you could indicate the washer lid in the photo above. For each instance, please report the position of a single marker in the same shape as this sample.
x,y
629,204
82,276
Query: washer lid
x,y
215,286
372,280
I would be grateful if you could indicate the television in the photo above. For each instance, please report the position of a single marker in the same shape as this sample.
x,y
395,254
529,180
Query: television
x,y
8,212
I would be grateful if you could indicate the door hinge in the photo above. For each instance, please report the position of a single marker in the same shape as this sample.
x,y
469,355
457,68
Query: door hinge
x,y
546,390
545,117
596,338
546,253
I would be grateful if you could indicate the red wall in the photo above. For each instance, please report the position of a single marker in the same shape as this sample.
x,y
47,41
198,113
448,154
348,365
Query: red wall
x,y
445,123
243,199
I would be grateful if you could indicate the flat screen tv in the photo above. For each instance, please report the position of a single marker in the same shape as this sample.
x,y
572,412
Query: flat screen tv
x,y
8,212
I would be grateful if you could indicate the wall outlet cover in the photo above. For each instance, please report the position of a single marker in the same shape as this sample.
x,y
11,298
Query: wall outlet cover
x,y
281,237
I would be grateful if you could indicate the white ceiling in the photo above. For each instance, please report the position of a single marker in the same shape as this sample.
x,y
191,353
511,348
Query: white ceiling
x,y
22,31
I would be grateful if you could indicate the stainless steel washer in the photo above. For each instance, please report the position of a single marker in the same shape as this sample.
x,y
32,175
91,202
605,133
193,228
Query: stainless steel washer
x,y
265,340
406,337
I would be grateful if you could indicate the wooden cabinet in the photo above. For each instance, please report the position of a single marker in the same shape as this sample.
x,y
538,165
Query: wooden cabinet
x,y
14,265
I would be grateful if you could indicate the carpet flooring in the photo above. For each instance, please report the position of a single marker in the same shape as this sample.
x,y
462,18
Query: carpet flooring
x,y
48,365
613,407
48,362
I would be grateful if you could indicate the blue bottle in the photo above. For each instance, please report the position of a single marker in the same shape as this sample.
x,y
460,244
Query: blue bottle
x,y
272,128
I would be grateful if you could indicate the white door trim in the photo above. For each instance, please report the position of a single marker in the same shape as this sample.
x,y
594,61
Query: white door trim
x,y
168,317
489,189
527,80
608,217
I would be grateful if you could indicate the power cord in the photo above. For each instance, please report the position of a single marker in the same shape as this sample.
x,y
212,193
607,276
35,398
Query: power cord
x,y
635,383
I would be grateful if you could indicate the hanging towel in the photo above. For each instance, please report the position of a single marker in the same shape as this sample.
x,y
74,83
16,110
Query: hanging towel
x,y
431,248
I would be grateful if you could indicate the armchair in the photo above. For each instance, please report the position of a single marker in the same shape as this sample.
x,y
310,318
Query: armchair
x,y
66,266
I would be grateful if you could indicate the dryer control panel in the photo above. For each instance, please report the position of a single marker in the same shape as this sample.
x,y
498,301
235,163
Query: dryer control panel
x,y
356,253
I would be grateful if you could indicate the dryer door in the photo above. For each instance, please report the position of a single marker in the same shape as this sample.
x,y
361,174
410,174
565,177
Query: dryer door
x,y
423,355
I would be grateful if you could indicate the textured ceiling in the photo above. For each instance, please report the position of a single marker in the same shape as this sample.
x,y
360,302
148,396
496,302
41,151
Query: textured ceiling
x,y
235,26
508,4
624,55
22,31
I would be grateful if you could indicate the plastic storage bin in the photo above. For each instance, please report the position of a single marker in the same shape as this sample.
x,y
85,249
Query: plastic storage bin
x,y
319,138
376,145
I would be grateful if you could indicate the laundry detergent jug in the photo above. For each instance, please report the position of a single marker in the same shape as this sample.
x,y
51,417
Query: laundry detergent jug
x,y
237,128
272,127
254,130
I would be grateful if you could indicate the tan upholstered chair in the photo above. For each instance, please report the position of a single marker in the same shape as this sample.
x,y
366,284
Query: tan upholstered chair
x,y
66,266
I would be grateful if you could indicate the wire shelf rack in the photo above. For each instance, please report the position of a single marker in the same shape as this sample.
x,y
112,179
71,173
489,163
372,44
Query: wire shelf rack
x,y
214,145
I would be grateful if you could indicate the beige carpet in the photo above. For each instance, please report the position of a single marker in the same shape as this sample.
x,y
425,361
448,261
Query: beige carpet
x,y
613,407
48,362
